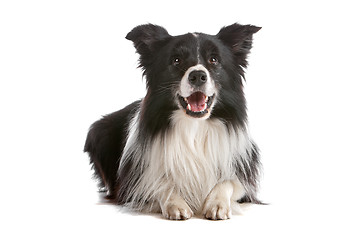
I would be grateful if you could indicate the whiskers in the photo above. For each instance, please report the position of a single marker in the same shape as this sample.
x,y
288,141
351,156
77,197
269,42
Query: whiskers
x,y
181,69
172,85
167,88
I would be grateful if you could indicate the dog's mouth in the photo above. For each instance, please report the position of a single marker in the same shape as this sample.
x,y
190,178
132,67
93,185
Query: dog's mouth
x,y
197,104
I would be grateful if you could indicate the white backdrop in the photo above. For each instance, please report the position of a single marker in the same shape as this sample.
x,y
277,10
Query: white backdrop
x,y
63,64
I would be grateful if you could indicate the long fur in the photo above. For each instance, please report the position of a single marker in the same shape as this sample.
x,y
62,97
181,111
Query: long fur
x,y
153,148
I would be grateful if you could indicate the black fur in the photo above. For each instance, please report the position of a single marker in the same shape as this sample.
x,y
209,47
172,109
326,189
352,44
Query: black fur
x,y
157,49
105,142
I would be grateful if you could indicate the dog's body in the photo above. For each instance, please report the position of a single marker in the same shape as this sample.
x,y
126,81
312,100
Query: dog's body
x,y
184,148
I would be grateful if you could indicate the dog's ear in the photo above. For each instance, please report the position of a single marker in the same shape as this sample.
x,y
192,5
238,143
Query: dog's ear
x,y
146,37
239,39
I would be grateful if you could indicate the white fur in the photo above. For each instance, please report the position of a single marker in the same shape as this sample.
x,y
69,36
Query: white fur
x,y
174,207
222,200
196,35
183,165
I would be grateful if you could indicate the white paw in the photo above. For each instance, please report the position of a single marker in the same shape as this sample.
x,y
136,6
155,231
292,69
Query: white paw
x,y
217,209
177,211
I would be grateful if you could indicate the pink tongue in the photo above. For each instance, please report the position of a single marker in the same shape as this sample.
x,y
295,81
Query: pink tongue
x,y
197,102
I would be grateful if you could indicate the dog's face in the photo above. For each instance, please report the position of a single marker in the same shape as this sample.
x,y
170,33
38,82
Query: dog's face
x,y
195,71
192,71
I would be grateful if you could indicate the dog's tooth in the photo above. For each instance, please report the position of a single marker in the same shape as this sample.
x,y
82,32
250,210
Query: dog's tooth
x,y
185,99
189,107
205,107
206,99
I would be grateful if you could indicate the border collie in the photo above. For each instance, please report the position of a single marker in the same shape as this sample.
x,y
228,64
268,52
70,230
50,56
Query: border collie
x,y
184,148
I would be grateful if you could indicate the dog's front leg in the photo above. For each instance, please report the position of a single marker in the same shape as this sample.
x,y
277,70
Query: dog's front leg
x,y
217,204
174,207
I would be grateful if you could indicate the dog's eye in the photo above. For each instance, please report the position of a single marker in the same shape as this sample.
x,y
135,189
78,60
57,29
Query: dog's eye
x,y
213,60
176,61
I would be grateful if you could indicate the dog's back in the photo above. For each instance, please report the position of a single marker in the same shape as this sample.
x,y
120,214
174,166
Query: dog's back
x,y
105,143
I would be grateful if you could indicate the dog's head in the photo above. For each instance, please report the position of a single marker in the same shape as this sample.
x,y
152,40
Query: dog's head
x,y
193,71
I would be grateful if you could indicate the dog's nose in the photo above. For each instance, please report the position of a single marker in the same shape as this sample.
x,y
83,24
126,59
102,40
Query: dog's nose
x,y
197,78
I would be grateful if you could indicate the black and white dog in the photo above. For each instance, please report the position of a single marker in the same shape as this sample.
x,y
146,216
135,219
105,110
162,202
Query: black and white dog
x,y
184,148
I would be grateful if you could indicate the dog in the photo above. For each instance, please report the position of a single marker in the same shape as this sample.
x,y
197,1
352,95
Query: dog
x,y
184,149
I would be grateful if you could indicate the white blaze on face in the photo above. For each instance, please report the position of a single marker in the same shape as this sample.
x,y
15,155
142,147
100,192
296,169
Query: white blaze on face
x,y
186,89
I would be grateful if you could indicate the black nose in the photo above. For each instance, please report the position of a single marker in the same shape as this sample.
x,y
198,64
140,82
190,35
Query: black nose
x,y
197,78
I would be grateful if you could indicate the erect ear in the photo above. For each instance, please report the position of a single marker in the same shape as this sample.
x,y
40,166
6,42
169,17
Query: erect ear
x,y
146,36
239,39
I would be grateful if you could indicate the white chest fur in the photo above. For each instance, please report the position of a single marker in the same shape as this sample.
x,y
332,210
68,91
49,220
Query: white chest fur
x,y
191,158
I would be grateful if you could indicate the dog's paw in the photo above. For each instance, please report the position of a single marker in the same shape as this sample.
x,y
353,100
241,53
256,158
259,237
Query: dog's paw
x,y
177,211
217,209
